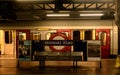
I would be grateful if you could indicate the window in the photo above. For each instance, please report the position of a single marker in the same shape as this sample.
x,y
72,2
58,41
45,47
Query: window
x,y
76,35
22,36
102,37
8,37
35,36
88,35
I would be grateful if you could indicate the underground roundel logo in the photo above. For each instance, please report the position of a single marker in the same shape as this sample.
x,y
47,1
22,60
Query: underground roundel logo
x,y
59,36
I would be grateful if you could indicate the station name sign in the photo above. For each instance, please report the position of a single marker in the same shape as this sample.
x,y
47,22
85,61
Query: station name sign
x,y
56,42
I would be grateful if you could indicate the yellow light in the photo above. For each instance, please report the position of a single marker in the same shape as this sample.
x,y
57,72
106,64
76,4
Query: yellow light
x,y
42,29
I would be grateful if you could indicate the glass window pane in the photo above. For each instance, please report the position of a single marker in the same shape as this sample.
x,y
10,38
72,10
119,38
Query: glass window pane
x,y
36,36
8,37
48,35
102,37
76,35
22,36
88,35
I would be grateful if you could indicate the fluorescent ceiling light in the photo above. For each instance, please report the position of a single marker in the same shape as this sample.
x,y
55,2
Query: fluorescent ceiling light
x,y
58,15
29,0
91,14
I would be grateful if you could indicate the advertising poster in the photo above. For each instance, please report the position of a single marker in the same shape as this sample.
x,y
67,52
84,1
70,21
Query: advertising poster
x,y
24,50
94,50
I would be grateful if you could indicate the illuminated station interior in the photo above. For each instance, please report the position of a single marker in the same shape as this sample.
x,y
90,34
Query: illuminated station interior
x,y
59,33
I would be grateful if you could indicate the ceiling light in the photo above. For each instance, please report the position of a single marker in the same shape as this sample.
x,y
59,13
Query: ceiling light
x,y
91,14
28,0
58,15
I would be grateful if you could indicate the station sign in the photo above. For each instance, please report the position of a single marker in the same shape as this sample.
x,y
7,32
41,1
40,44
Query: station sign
x,y
58,42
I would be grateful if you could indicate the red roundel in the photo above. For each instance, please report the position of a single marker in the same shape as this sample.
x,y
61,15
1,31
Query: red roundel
x,y
59,36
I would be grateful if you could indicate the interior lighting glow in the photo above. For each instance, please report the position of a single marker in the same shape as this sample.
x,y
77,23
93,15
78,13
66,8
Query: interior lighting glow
x,y
58,15
91,14
42,29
